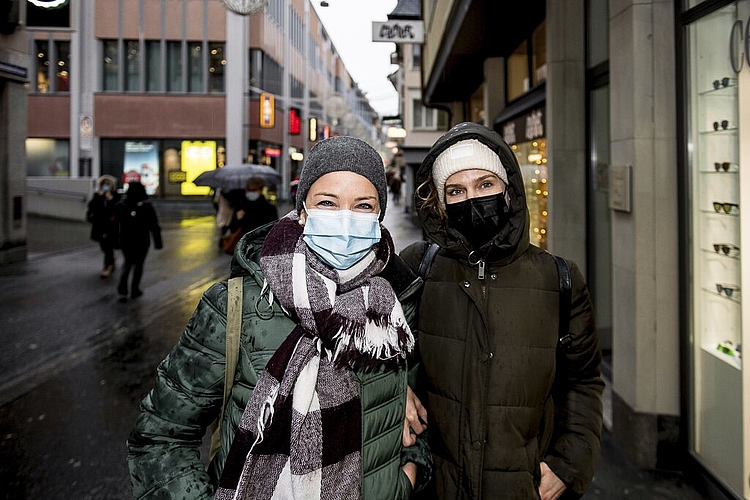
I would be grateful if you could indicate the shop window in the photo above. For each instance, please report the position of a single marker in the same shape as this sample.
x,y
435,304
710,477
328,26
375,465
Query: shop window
x,y
518,71
47,157
216,69
153,66
174,67
195,67
42,66
532,158
62,72
111,60
133,66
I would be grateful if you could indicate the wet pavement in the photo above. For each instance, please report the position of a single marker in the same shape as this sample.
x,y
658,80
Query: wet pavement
x,y
75,363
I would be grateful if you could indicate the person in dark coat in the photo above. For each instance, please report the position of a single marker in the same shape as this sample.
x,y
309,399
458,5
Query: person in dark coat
x,y
253,210
514,412
138,223
101,215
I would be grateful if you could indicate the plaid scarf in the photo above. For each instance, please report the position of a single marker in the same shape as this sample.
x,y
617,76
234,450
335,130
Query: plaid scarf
x,y
307,394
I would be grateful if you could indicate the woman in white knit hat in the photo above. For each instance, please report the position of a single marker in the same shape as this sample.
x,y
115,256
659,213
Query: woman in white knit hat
x,y
509,357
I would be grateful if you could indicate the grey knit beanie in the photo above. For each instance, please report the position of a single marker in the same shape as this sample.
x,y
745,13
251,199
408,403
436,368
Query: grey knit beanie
x,y
343,153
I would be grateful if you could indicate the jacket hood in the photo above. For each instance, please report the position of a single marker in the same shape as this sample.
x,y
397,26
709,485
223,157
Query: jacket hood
x,y
513,238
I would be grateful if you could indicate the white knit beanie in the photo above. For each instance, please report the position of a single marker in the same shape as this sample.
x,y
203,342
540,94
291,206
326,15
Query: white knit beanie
x,y
465,155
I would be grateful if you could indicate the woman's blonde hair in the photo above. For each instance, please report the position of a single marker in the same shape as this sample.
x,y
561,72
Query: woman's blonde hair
x,y
428,196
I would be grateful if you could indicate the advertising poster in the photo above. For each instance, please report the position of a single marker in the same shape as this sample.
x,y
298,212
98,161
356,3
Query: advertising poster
x,y
197,157
142,159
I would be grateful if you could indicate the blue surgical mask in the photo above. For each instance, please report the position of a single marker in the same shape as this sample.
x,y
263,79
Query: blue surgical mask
x,y
252,195
341,238
105,187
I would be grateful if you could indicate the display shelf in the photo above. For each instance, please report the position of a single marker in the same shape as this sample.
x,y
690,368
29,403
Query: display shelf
x,y
732,361
722,296
721,255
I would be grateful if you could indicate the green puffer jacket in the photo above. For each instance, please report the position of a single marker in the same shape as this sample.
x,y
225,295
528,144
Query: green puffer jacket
x,y
501,396
164,446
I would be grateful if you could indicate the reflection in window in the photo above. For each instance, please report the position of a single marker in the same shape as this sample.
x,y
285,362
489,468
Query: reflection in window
x,y
216,68
195,67
133,65
42,66
47,157
174,67
153,66
63,67
110,65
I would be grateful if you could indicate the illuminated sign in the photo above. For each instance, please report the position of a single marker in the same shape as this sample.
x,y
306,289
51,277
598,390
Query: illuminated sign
x,y
142,160
48,14
272,152
267,111
295,122
177,176
313,128
196,157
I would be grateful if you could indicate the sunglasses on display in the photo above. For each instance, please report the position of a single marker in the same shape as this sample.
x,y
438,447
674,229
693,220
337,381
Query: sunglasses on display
x,y
723,166
727,207
724,82
727,289
724,124
726,248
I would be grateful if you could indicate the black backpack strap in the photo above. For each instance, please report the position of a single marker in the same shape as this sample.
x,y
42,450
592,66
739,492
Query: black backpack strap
x,y
427,258
563,273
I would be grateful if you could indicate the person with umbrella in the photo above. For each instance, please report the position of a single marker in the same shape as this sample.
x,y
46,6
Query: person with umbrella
x,y
251,211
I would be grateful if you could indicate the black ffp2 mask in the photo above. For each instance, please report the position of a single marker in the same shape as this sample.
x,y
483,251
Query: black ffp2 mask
x,y
479,219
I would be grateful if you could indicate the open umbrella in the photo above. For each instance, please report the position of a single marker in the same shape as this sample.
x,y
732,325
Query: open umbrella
x,y
235,176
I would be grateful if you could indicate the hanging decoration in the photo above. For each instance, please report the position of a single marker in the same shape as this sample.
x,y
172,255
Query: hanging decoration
x,y
244,7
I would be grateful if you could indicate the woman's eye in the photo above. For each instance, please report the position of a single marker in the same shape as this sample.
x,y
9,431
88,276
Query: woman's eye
x,y
325,204
454,192
365,207
486,184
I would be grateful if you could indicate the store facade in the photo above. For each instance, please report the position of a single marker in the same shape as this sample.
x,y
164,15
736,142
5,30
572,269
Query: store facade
x,y
715,143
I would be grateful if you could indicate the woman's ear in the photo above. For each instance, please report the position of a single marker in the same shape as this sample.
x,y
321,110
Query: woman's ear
x,y
302,217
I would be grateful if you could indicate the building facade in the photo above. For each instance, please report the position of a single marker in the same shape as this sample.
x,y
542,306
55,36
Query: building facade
x,y
628,121
165,90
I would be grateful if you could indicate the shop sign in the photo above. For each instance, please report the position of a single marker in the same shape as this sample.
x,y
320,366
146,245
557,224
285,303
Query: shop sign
x,y
272,152
295,122
177,176
398,31
142,158
313,128
524,128
196,157
267,111
739,40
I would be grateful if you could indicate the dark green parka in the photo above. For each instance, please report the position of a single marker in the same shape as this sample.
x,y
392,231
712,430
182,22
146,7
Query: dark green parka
x,y
164,446
499,402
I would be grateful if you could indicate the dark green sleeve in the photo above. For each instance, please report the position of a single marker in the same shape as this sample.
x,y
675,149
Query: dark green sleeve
x,y
164,445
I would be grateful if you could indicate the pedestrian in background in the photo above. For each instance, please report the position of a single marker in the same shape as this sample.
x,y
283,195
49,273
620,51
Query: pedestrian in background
x,y
325,309
138,223
514,412
101,214
251,211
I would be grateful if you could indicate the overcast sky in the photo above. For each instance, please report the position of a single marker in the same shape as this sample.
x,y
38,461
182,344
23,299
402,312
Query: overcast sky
x,y
349,24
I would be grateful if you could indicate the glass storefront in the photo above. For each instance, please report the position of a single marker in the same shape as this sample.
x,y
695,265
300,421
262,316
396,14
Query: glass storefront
x,y
718,75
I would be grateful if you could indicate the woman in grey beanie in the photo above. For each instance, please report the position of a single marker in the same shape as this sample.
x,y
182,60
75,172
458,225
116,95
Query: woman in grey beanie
x,y
327,306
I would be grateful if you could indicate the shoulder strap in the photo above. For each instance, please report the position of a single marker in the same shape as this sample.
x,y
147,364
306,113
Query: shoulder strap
x,y
427,258
563,273
234,326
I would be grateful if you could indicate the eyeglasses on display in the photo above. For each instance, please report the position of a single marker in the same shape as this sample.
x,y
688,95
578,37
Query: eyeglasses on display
x,y
724,165
724,82
728,290
724,124
727,207
727,248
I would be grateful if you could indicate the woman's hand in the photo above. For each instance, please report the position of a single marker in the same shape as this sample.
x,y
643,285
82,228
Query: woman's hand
x,y
415,420
410,469
550,487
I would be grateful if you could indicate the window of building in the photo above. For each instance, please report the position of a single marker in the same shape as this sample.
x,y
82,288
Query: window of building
x,y
153,66
539,54
133,66
42,66
416,56
47,157
217,63
63,66
518,71
426,118
195,67
111,59
174,67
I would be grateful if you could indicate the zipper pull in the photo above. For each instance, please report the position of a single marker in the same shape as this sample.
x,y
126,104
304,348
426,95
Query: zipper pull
x,y
481,270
